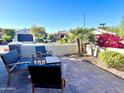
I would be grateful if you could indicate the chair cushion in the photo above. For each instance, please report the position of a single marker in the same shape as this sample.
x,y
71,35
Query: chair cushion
x,y
45,76
30,60
11,57
23,66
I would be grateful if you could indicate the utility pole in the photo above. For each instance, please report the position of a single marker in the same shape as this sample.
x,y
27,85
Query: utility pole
x,y
84,20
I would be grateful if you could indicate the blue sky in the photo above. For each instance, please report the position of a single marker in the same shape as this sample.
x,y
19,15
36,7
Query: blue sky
x,y
57,15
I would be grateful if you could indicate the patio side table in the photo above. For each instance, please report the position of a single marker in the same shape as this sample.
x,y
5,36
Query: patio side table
x,y
52,60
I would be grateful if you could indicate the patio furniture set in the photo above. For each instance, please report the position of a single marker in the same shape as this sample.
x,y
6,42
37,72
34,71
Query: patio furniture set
x,y
48,75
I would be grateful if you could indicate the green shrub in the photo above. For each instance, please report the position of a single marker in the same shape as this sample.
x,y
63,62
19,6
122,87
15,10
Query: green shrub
x,y
6,38
62,40
111,58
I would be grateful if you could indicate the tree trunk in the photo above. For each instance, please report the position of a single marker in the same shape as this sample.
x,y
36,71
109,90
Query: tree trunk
x,y
78,44
82,48
85,48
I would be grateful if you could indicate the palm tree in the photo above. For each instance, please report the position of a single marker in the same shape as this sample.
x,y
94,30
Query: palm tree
x,y
82,36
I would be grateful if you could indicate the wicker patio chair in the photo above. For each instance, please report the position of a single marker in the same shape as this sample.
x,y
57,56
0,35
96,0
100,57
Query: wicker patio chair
x,y
14,63
41,53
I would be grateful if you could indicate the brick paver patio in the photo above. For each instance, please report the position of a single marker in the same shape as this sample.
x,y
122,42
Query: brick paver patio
x,y
81,77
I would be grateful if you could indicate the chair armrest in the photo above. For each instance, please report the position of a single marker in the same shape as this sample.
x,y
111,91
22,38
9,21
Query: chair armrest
x,y
15,64
23,63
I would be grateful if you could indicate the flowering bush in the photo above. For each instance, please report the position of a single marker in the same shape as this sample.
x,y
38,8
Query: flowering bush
x,y
109,40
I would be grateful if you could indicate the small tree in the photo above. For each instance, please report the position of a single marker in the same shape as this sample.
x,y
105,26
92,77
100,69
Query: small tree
x,y
7,38
8,34
38,32
51,37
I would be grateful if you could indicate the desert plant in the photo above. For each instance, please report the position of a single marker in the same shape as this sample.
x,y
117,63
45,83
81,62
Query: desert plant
x,y
82,36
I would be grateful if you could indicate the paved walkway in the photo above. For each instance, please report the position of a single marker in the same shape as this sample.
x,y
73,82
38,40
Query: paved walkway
x,y
81,77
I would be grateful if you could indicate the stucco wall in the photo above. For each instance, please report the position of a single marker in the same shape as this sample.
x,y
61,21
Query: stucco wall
x,y
57,49
97,49
116,50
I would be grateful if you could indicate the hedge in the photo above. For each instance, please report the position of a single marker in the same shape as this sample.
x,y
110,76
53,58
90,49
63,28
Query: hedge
x,y
111,58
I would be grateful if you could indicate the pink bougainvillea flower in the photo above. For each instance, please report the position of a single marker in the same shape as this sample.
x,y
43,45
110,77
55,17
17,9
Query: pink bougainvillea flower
x,y
109,40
